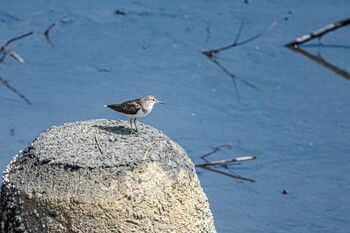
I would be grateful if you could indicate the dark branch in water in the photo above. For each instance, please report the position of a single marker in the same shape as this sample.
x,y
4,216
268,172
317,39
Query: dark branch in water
x,y
318,33
210,54
4,50
224,163
23,97
216,149
46,34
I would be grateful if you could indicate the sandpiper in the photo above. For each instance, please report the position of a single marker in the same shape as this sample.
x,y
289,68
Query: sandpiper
x,y
136,108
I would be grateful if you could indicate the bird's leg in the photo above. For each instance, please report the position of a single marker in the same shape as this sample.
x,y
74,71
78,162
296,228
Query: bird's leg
x,y
135,125
130,126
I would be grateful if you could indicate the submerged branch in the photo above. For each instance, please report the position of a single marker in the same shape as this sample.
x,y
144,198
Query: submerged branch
x,y
8,42
208,165
4,50
210,53
46,34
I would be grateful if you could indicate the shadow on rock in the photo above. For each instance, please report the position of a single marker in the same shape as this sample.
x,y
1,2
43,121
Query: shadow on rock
x,y
116,130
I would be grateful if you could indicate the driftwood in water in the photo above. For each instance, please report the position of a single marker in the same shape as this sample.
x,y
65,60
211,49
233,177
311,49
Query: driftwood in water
x,y
4,50
318,33
211,165
226,161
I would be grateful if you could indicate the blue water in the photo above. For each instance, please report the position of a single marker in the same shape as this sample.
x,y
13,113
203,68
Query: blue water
x,y
297,125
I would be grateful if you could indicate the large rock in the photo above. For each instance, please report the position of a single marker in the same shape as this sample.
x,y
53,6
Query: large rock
x,y
92,176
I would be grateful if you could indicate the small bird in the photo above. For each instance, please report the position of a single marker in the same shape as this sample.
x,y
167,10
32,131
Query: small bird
x,y
136,108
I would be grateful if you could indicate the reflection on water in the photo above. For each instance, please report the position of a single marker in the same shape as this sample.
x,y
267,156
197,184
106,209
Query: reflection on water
x,y
212,55
320,60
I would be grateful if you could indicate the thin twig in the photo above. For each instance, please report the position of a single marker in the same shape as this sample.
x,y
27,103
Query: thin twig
x,y
8,42
23,97
269,28
98,145
4,50
17,57
318,33
216,149
210,53
225,161
46,34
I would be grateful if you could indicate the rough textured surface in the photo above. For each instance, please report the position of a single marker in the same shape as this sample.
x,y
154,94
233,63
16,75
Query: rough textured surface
x,y
92,176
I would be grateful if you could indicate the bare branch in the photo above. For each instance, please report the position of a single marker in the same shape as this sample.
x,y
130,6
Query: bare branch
x,y
216,149
225,161
269,28
3,48
17,57
46,34
318,33
210,53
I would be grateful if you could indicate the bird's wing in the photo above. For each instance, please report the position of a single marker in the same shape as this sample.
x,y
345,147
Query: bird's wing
x,y
129,107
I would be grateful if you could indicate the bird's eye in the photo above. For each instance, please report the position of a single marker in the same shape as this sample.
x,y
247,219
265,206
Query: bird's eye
x,y
154,99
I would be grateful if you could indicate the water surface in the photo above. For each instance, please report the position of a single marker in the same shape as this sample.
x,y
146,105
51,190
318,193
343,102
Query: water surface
x,y
296,123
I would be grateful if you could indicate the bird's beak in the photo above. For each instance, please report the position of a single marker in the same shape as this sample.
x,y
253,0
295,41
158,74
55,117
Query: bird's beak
x,y
160,102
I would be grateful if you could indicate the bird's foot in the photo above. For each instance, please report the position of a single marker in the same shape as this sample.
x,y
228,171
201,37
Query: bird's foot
x,y
134,132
